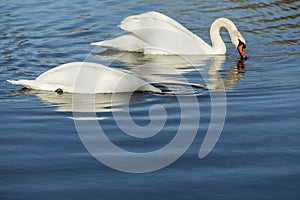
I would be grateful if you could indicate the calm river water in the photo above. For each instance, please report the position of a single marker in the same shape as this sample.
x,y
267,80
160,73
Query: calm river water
x,y
256,156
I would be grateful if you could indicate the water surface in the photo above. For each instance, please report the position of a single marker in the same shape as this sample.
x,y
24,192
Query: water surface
x,y
256,156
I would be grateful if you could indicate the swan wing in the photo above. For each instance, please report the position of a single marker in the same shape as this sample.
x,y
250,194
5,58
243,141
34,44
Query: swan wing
x,y
163,34
62,75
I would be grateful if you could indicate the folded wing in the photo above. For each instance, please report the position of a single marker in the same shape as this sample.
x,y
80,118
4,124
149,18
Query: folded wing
x,y
155,33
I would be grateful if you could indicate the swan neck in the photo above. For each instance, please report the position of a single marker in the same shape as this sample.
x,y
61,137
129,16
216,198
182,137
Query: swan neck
x,y
218,45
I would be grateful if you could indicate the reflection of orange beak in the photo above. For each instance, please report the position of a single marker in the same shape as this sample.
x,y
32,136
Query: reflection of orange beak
x,y
241,64
241,50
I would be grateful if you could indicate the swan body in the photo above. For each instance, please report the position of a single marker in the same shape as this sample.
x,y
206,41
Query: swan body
x,y
156,33
86,77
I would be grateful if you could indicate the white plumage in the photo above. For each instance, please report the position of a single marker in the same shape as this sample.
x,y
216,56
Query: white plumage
x,y
86,77
155,33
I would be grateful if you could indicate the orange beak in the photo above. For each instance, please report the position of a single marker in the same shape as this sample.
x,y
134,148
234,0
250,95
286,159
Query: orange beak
x,y
241,50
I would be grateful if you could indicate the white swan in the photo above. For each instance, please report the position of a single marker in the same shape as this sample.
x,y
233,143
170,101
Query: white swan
x,y
86,77
155,33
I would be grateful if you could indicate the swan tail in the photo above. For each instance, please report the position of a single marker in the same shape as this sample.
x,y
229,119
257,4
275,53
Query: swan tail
x,y
124,43
30,84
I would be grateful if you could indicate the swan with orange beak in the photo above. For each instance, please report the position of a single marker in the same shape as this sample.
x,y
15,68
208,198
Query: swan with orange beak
x,y
241,49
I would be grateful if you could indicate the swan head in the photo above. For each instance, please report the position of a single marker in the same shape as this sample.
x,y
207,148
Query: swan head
x,y
240,43
241,49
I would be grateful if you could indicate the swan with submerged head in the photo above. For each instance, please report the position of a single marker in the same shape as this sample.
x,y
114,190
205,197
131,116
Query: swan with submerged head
x,y
86,77
156,33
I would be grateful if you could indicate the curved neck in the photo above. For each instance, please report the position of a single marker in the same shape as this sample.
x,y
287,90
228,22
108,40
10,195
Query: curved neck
x,y
218,45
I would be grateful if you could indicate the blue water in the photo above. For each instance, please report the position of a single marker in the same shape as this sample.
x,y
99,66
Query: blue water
x,y
255,157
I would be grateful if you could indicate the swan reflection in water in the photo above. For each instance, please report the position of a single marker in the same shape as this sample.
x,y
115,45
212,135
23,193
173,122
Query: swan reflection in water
x,y
175,73
174,70
85,103
227,77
